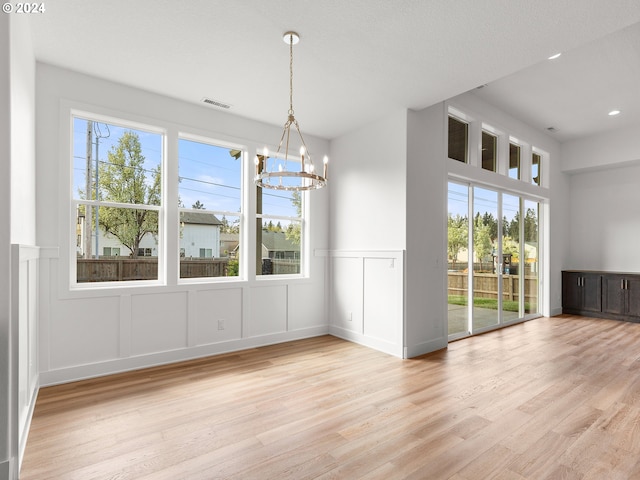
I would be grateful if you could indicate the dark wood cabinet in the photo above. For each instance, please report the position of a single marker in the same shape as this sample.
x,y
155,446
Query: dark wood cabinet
x,y
621,294
581,291
601,294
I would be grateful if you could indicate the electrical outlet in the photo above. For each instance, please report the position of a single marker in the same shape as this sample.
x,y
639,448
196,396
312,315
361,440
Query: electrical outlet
x,y
350,317
220,324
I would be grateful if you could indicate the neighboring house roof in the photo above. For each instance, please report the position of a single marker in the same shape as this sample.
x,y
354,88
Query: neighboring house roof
x,y
278,242
229,237
197,218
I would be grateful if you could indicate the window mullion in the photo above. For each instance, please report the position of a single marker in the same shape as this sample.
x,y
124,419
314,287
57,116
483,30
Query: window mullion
x,y
171,214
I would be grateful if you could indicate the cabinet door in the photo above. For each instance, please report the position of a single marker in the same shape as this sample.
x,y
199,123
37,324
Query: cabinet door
x,y
613,294
633,295
571,291
592,292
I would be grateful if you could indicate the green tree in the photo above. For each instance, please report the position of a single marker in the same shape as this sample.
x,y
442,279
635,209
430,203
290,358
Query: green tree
x,y
492,224
457,236
482,243
198,205
123,179
227,227
531,225
514,227
293,231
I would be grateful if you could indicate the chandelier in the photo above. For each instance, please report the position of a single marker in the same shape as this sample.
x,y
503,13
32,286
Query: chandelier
x,y
272,172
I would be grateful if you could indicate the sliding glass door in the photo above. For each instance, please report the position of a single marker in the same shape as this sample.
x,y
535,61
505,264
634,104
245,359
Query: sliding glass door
x,y
493,254
485,274
458,254
510,263
531,254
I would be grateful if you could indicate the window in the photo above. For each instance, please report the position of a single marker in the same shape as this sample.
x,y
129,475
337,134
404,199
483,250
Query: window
x,y
136,189
279,228
117,196
514,161
489,151
458,139
210,201
536,161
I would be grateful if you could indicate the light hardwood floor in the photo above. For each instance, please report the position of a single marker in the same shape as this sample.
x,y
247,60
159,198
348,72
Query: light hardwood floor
x,y
551,398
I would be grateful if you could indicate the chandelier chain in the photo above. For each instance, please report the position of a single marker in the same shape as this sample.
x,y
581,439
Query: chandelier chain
x,y
291,74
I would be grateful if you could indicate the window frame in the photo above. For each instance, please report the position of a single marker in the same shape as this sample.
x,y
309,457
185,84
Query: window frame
x,y
74,203
302,255
168,217
214,142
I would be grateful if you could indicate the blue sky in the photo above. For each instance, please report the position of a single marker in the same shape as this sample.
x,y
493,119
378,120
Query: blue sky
x,y
485,200
208,172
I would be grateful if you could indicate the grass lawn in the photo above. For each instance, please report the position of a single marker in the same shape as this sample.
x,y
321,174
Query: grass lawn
x,y
491,303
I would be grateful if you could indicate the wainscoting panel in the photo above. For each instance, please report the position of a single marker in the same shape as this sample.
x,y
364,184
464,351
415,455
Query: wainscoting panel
x,y
268,310
217,316
163,314
367,300
24,327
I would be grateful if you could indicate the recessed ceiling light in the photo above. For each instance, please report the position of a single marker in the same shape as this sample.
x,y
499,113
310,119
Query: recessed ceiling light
x,y
613,113
553,57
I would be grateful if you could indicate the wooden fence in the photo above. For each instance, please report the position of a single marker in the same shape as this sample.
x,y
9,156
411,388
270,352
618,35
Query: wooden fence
x,y
485,285
113,269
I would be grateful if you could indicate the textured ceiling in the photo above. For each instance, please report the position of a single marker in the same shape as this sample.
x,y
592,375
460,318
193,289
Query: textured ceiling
x,y
357,59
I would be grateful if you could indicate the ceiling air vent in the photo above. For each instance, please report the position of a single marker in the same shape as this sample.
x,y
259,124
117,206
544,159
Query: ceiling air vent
x,y
215,103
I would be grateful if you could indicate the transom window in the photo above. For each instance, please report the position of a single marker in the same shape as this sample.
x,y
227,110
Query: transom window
x,y
489,151
458,139
536,161
514,161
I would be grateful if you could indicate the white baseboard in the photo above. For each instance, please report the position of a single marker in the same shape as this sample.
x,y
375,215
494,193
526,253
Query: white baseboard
x,y
427,347
376,344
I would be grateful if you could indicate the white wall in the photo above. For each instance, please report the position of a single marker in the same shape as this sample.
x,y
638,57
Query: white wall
x,y
87,333
23,110
609,149
425,288
17,217
605,220
8,442
604,225
367,174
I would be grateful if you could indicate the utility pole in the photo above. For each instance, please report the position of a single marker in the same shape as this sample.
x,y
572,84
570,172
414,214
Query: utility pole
x,y
97,197
88,189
